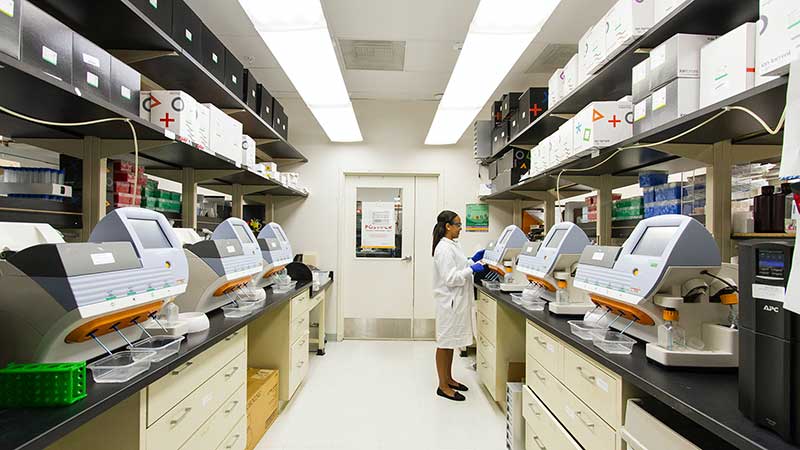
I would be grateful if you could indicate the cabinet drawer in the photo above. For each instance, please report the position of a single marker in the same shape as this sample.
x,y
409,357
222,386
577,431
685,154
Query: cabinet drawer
x,y
298,327
165,393
599,389
487,376
299,363
179,424
300,304
488,351
213,432
237,438
487,328
539,380
487,306
543,429
584,424
546,349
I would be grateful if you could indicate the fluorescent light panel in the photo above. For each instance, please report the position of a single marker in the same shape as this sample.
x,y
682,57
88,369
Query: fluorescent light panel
x,y
296,33
498,35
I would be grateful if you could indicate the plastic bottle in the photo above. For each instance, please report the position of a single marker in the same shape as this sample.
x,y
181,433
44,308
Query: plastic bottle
x,y
671,336
789,225
762,210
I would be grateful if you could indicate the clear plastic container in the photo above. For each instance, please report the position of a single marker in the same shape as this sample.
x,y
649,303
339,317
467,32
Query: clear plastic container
x,y
585,330
163,346
121,367
233,311
491,285
251,304
534,305
517,298
614,342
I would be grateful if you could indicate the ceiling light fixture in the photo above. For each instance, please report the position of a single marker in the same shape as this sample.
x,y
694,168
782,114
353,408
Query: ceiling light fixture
x,y
297,34
498,35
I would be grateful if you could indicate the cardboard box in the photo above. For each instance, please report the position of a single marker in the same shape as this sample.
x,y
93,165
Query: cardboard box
x,y
159,11
225,135
570,77
602,124
640,81
510,103
264,107
555,87
175,111
250,89
187,29
642,120
775,35
202,128
10,27
677,99
248,151
626,21
532,104
677,57
213,54
234,75
91,68
728,65
144,105
46,43
125,86
592,51
262,403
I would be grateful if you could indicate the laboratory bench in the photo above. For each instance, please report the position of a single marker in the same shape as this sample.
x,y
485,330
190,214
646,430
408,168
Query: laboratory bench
x,y
708,398
40,428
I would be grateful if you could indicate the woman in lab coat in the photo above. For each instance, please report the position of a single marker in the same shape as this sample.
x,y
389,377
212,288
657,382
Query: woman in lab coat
x,y
454,295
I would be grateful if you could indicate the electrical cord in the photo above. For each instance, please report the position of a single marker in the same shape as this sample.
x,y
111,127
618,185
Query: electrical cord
x,y
724,281
90,122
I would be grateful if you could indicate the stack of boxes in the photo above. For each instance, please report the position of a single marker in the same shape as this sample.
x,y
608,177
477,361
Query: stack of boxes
x,y
628,209
589,212
602,124
728,65
160,200
694,196
508,170
122,180
662,197
514,112
778,41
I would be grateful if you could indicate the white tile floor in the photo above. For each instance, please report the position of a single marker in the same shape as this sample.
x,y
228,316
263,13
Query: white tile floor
x,y
380,395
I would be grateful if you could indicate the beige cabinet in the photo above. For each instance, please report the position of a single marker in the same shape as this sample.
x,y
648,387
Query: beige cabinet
x,y
543,430
501,340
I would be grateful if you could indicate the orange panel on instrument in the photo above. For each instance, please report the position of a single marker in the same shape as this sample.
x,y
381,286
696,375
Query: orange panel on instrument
x,y
231,285
542,283
122,319
498,270
273,271
627,311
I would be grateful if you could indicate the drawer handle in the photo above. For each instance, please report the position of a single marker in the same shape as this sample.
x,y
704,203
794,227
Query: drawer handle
x,y
589,378
541,378
534,409
174,422
185,366
300,364
539,341
233,406
539,443
584,421
302,321
233,442
233,371
485,366
303,343
235,333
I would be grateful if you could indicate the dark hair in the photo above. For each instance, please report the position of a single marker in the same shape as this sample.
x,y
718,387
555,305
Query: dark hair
x,y
440,228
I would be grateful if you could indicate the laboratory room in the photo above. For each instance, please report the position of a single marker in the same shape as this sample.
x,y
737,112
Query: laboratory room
x,y
493,224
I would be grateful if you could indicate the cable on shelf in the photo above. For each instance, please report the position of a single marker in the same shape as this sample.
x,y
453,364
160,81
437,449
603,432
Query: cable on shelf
x,y
90,122
723,111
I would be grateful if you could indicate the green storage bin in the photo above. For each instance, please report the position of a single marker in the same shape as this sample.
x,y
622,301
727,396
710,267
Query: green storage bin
x,y
42,385
164,194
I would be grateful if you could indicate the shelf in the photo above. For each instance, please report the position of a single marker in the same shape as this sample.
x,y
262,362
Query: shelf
x,y
58,214
119,25
763,235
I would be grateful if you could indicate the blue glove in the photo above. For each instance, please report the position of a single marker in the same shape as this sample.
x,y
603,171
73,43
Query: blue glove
x,y
479,255
477,268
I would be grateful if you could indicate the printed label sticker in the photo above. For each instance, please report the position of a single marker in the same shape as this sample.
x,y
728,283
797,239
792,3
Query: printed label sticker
x,y
91,60
49,56
660,98
99,259
92,79
7,7
126,93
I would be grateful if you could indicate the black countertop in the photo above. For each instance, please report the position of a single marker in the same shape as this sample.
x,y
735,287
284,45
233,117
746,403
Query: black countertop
x,y
706,397
37,428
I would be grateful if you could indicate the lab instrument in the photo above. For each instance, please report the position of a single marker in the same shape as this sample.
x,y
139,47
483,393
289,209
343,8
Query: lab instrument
x,y
501,255
276,252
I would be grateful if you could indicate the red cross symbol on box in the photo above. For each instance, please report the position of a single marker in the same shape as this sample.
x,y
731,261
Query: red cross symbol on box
x,y
536,110
166,120
614,121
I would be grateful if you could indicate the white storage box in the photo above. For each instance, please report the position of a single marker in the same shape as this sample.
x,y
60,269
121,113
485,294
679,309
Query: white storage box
x,y
663,8
174,111
591,51
555,87
602,124
565,147
677,57
226,135
677,99
248,151
727,65
626,21
775,37
640,81
202,127
642,120
570,77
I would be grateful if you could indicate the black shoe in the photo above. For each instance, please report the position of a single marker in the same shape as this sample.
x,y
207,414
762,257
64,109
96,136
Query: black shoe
x,y
457,397
459,387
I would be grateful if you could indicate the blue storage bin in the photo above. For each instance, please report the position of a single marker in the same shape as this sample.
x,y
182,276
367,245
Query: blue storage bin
x,y
650,179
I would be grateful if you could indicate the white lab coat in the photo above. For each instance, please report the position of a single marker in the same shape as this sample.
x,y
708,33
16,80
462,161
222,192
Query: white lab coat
x,y
454,295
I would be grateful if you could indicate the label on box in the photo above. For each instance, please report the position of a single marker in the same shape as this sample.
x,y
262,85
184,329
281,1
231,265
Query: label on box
x,y
253,93
125,92
766,292
154,3
640,111
188,35
639,73
49,56
793,30
658,56
660,98
92,79
99,259
601,384
7,7
169,134
234,79
722,79
91,60
214,57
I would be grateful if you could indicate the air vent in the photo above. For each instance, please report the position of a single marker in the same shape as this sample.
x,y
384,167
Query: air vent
x,y
373,55
554,56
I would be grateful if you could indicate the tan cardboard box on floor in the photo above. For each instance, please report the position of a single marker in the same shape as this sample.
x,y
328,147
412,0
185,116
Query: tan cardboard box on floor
x,y
262,403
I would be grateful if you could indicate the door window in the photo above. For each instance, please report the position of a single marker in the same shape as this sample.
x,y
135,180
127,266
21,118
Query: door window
x,y
379,222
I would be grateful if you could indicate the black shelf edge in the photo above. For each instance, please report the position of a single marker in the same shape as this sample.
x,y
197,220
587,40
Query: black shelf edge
x,y
61,215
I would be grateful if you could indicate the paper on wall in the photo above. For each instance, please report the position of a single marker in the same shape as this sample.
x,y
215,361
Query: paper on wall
x,y
377,225
790,160
792,298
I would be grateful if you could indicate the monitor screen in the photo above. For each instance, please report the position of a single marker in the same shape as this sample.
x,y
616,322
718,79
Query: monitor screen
x,y
150,233
242,234
502,240
654,241
555,241
282,236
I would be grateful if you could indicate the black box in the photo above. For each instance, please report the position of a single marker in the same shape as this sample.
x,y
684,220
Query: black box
x,y
284,131
277,113
234,75
532,104
125,86
250,89
264,107
213,55
91,68
517,158
514,124
10,28
159,11
46,43
493,170
499,137
507,178
510,103
187,29
497,111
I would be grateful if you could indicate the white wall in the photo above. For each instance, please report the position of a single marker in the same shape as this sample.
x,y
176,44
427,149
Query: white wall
x,y
394,133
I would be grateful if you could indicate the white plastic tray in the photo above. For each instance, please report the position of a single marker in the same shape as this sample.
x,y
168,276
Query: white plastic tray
x,y
121,367
614,342
585,330
164,346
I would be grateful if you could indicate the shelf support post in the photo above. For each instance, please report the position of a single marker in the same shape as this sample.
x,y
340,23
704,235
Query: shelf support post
x,y
604,185
549,214
269,208
189,199
718,203
94,184
237,195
